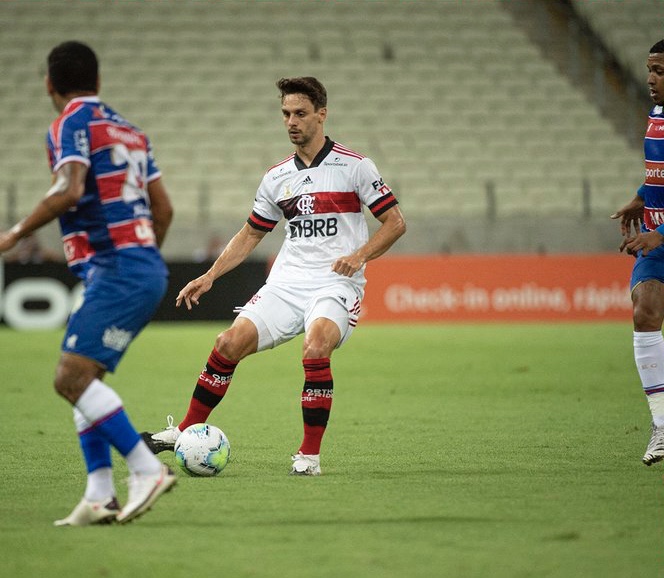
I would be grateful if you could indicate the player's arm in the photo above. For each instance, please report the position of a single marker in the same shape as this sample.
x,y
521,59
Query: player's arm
x,y
67,189
393,225
162,210
237,250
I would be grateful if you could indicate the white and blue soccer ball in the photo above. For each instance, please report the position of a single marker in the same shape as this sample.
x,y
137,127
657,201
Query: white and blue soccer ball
x,y
202,450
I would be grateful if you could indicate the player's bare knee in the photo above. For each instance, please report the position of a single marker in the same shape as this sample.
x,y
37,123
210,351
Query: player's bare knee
x,y
646,321
238,341
60,387
320,341
231,345
316,349
648,311
313,353
224,344
73,375
646,317
68,383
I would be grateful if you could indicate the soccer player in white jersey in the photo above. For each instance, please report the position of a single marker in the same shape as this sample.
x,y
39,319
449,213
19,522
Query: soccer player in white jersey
x,y
642,226
317,282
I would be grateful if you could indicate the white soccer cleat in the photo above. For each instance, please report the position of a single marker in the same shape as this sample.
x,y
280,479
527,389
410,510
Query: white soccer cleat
x,y
655,450
144,491
87,513
164,440
305,465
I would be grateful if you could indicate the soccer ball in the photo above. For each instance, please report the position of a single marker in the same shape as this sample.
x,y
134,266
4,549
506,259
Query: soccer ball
x,y
202,450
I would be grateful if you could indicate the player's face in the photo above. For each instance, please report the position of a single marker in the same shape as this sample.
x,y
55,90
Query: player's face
x,y
656,77
302,122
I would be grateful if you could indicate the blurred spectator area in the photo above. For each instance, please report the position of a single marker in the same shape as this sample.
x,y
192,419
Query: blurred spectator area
x,y
489,142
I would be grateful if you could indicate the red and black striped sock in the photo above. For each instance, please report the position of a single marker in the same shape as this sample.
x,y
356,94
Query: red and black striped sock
x,y
316,402
210,389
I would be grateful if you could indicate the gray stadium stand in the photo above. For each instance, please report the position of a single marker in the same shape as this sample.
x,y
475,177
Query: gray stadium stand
x,y
627,28
451,99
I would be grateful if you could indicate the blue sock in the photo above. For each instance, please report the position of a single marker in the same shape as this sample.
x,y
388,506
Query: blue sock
x,y
117,429
101,408
96,450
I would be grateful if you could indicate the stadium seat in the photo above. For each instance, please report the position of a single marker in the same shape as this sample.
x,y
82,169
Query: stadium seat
x,y
414,85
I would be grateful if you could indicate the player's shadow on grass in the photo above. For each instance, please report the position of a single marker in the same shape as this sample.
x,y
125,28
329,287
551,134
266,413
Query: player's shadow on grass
x,y
379,521
345,521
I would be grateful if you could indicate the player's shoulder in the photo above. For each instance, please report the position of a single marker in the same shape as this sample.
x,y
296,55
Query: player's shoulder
x,y
93,111
282,168
71,121
342,150
115,117
74,112
347,158
87,107
86,111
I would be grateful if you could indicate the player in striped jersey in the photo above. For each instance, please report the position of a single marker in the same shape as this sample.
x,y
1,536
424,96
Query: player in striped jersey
x,y
642,226
317,282
114,212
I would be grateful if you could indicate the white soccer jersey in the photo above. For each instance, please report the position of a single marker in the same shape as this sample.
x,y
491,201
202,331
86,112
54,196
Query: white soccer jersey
x,y
323,205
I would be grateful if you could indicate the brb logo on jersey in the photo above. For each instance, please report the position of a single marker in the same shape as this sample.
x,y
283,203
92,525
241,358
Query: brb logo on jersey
x,y
313,228
306,228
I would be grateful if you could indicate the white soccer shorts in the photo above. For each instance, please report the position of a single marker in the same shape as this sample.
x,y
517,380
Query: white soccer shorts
x,y
281,313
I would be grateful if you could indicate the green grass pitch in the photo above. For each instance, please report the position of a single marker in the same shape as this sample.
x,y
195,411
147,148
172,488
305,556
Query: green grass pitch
x,y
452,450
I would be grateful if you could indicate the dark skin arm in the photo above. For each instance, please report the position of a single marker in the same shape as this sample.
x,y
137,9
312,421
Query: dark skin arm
x,y
162,210
67,189
634,240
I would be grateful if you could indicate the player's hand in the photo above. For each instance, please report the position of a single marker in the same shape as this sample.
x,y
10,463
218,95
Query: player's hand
x,y
348,266
644,242
631,217
191,292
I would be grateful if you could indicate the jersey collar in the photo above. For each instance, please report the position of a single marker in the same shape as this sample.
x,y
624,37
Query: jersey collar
x,y
74,102
318,159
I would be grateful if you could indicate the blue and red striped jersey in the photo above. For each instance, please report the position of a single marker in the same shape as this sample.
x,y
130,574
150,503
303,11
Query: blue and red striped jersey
x,y
113,214
652,190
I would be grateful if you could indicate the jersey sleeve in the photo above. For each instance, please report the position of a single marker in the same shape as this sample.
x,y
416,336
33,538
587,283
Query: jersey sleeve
x,y
69,141
266,213
371,188
153,170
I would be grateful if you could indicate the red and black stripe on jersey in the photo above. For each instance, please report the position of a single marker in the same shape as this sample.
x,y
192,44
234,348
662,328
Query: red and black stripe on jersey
x,y
261,223
331,202
386,202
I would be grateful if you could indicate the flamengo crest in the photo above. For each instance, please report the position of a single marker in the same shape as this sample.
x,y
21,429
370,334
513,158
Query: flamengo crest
x,y
305,205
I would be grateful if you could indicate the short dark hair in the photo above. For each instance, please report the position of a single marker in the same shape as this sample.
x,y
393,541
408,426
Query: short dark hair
x,y
308,85
73,67
657,48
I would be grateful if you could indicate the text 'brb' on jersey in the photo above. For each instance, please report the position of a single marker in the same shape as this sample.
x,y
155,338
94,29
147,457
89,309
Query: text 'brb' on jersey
x,y
114,213
323,205
652,190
